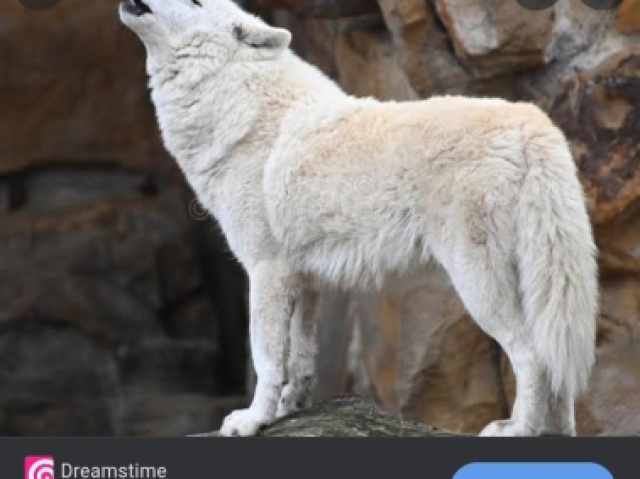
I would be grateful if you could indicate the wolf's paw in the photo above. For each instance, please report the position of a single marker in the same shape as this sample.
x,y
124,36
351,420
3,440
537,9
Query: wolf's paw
x,y
244,422
508,428
293,399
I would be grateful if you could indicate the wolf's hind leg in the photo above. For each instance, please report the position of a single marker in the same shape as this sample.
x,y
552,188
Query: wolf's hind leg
x,y
530,411
556,412
301,365
488,288
561,419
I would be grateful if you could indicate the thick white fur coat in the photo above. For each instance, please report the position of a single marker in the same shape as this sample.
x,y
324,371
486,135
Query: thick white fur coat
x,y
313,186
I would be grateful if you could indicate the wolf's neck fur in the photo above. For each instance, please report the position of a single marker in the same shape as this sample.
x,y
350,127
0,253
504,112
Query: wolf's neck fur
x,y
206,118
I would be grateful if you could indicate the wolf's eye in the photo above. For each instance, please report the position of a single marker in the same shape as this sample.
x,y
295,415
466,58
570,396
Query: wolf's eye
x,y
197,2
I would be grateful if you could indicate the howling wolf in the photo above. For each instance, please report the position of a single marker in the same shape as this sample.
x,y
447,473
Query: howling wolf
x,y
313,187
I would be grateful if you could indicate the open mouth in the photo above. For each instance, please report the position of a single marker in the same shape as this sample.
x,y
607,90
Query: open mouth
x,y
136,7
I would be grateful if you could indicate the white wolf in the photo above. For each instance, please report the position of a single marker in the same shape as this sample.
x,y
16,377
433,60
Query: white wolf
x,y
312,186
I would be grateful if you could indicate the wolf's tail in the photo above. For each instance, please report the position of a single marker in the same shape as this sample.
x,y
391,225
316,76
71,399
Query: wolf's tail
x,y
557,264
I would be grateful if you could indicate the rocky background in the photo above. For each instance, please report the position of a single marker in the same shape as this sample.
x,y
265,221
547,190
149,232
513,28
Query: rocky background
x,y
122,311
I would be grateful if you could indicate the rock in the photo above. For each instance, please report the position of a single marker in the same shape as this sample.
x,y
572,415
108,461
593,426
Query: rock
x,y
56,382
578,30
580,39
105,302
74,92
323,8
628,18
116,237
167,366
618,246
176,415
369,66
334,328
494,37
613,398
346,417
599,114
312,38
428,62
33,417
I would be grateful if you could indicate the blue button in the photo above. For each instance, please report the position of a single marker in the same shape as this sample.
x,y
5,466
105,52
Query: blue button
x,y
533,470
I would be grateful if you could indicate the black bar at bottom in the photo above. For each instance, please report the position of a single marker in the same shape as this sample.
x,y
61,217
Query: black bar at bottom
x,y
307,458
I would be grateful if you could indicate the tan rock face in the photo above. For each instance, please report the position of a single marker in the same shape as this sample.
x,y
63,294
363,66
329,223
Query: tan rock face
x,y
599,114
628,19
613,398
72,89
427,60
496,37
369,65
413,347
313,38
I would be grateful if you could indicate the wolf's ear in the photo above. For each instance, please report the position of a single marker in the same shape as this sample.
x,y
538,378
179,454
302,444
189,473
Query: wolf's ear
x,y
261,42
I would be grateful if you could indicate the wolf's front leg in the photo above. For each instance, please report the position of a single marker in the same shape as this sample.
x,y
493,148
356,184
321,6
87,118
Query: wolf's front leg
x,y
273,289
301,364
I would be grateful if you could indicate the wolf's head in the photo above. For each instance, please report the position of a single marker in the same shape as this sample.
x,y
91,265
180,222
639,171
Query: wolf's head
x,y
214,31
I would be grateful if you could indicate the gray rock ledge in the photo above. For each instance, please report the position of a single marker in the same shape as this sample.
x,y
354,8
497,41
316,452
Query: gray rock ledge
x,y
346,417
